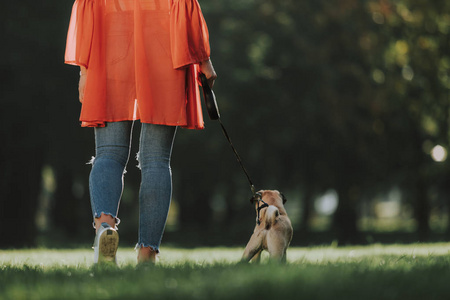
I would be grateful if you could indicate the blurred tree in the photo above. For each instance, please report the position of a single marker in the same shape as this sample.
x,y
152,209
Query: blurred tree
x,y
23,136
414,35
305,87
350,95
38,119
339,86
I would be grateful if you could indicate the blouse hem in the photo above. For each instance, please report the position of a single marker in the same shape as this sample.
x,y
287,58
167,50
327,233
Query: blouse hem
x,y
192,62
74,63
103,123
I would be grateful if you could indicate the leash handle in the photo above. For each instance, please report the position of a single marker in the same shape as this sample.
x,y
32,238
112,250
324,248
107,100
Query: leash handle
x,y
210,98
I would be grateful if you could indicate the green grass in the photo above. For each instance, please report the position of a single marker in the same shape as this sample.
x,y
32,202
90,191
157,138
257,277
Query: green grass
x,y
420,271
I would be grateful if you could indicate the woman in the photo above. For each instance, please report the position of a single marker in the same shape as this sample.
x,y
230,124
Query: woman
x,y
139,60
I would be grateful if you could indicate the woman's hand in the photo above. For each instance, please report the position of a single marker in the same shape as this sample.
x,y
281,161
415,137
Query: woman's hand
x,y
207,68
82,83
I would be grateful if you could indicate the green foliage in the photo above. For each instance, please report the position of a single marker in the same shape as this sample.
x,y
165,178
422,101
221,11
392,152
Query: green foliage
x,y
375,272
349,95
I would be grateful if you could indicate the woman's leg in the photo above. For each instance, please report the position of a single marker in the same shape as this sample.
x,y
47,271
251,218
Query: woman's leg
x,y
112,147
154,155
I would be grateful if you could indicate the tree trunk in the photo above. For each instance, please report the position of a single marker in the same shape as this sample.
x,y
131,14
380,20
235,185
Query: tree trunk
x,y
306,212
193,213
65,212
346,217
422,211
19,193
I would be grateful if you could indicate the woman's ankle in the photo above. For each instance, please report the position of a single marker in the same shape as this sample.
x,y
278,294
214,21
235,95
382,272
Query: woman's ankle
x,y
147,255
110,220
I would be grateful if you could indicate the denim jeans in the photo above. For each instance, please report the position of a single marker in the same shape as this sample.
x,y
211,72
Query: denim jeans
x,y
112,144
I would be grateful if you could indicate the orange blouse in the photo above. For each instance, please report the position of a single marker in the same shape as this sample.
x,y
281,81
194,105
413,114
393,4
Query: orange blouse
x,y
142,60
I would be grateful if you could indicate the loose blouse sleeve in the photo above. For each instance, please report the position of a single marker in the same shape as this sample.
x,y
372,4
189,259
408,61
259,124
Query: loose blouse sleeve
x,y
189,35
79,36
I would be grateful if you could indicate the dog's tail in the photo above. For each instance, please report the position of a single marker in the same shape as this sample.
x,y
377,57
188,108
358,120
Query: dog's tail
x,y
272,213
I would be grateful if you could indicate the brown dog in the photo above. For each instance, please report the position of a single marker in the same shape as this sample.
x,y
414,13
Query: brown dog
x,y
273,231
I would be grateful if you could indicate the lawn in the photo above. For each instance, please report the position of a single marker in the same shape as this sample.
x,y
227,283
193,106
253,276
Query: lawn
x,y
419,271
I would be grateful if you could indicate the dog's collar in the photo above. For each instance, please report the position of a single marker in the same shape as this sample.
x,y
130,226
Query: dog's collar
x,y
258,197
259,209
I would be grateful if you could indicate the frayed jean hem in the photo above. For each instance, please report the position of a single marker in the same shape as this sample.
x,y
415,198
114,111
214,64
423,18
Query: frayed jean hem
x,y
142,245
116,219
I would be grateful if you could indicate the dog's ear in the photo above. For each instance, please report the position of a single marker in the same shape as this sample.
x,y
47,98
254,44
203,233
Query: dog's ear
x,y
283,197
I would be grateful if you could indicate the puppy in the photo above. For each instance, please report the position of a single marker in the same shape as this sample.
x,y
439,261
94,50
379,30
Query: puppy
x,y
273,231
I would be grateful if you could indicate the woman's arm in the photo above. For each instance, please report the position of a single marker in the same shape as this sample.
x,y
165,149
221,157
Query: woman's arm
x,y
82,83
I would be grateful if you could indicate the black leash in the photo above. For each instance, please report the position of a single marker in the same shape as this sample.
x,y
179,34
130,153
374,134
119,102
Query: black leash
x,y
252,187
213,112
256,195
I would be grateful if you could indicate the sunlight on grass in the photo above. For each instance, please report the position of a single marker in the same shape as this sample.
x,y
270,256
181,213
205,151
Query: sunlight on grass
x,y
418,271
209,256
125,256
330,254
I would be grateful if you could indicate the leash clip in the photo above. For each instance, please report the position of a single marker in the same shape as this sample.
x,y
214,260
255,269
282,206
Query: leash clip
x,y
256,197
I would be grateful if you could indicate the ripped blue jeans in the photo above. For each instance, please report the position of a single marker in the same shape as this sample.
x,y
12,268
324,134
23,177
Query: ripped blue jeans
x,y
112,147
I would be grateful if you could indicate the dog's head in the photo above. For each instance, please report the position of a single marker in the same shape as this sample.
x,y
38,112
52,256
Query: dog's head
x,y
270,197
